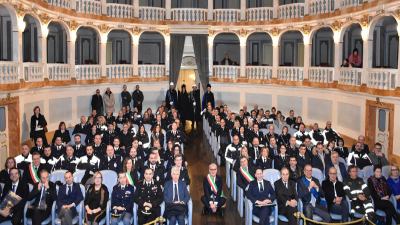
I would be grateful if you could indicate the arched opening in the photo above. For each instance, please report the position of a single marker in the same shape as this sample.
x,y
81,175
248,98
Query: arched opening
x,y
226,49
152,3
259,3
259,50
119,47
226,4
323,48
385,43
352,40
151,48
57,44
87,46
127,2
30,39
6,35
291,49
189,4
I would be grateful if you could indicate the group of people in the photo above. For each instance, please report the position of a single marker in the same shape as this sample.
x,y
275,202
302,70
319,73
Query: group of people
x,y
144,149
296,151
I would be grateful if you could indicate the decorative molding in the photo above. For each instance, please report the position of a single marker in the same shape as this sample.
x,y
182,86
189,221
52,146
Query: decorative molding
x,y
364,21
337,25
20,10
104,28
243,32
136,30
275,31
44,18
306,29
73,25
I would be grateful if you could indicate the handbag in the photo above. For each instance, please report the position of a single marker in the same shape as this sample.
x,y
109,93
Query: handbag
x,y
173,209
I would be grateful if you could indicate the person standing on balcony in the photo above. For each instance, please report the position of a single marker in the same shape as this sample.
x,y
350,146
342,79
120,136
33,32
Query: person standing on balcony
x,y
171,98
355,59
109,101
97,103
208,97
137,97
125,97
227,60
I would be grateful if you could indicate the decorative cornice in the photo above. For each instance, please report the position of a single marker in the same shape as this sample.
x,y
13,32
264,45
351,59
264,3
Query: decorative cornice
x,y
306,29
73,25
364,21
136,30
275,31
104,28
44,18
336,25
20,10
243,32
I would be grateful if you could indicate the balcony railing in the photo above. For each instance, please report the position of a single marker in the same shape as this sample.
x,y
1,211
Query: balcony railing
x,y
260,14
119,71
8,72
33,72
87,72
350,76
321,6
321,74
120,10
151,13
227,15
350,3
151,71
60,3
189,14
88,6
59,71
291,73
259,72
382,78
222,71
290,11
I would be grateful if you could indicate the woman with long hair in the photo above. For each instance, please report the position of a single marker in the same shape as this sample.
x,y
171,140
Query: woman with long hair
x,y
96,199
38,126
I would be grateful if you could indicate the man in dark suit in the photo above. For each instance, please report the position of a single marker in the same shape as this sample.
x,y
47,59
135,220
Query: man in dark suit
x,y
303,157
261,194
194,97
111,161
158,169
82,127
341,172
58,148
175,134
208,97
245,173
125,97
264,162
39,147
171,97
213,198
79,149
97,102
99,147
20,188
31,170
137,97
255,149
68,198
43,195
335,195
122,201
295,172
311,194
319,157
286,195
176,197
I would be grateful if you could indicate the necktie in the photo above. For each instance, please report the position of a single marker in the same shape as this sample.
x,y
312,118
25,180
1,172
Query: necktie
x,y
285,184
263,160
176,197
261,186
13,187
69,190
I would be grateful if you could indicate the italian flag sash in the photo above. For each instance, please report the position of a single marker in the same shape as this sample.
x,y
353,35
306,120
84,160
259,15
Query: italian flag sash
x,y
34,174
246,174
130,180
211,182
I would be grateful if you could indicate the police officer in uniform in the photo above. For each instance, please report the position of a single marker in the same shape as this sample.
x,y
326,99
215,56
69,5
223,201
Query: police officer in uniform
x,y
122,201
148,197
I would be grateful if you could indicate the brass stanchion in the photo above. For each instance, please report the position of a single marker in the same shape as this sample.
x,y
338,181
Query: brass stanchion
x,y
158,220
301,216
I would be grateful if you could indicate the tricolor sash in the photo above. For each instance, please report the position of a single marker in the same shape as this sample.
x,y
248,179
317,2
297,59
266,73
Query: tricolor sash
x,y
130,180
246,174
33,173
211,182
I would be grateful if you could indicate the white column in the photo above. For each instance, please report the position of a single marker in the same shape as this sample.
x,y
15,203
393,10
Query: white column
x,y
276,7
43,51
71,53
167,42
20,58
135,55
136,7
367,54
103,54
275,56
242,57
307,55
398,59
168,9
337,54
242,9
210,9
104,7
210,55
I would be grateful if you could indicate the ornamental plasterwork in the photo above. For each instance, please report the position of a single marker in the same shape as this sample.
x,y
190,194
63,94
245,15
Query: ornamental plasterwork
x,y
136,30
73,25
306,29
44,18
336,25
20,10
364,21
242,32
104,28
275,31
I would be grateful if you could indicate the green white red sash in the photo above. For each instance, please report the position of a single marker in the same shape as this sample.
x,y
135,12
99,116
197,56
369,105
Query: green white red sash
x,y
246,174
34,174
130,180
211,182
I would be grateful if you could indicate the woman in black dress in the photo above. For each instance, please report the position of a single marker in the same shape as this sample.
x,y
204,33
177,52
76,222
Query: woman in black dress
x,y
38,126
96,200
63,133
5,173
184,105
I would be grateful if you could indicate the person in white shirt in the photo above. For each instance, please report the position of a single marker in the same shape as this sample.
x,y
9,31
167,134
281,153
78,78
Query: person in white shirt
x,y
24,158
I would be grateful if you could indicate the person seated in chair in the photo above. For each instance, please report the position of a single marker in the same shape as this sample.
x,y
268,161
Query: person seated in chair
x,y
31,170
262,195
213,198
122,201
90,163
44,193
311,194
20,188
176,197
68,198
245,173
96,199
286,196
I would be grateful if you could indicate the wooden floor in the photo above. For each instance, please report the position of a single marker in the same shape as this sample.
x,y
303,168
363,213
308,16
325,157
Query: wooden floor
x,y
198,155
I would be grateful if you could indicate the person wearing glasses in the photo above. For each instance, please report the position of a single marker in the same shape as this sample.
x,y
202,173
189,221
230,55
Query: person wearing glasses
x,y
213,198
335,195
377,156
394,184
96,199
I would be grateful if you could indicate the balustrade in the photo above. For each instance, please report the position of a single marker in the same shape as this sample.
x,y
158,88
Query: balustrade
x,y
289,73
33,72
223,71
60,3
87,72
290,11
189,14
382,78
120,10
227,15
350,76
88,6
119,71
321,74
260,14
321,6
151,71
259,72
59,71
151,13
8,72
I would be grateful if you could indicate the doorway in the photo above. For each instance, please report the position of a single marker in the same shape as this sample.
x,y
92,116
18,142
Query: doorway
x,y
187,77
9,128
379,122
